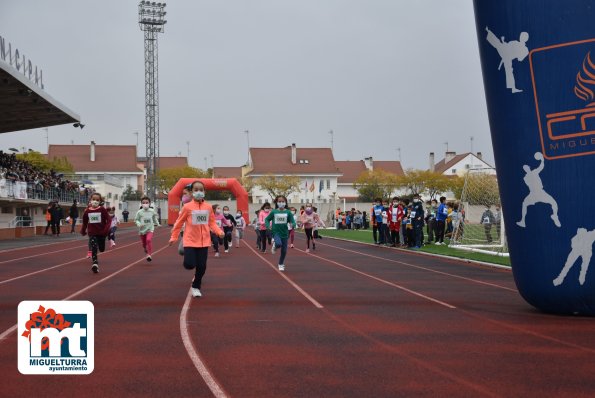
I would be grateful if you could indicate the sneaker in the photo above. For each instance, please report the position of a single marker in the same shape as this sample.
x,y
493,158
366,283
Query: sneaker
x,y
89,254
111,243
307,250
281,267
149,259
95,268
226,250
273,249
217,254
291,246
196,292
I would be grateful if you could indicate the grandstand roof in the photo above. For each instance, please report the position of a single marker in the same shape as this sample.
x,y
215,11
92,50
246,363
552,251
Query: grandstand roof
x,y
23,105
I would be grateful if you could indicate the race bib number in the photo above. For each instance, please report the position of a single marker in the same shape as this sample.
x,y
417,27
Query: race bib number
x,y
377,211
486,220
394,217
445,211
147,221
218,222
94,218
280,218
412,214
200,217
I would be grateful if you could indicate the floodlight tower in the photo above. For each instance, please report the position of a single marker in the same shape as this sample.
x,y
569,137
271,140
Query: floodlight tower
x,y
151,19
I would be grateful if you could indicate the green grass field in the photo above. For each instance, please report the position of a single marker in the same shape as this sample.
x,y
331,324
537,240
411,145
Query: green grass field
x,y
366,237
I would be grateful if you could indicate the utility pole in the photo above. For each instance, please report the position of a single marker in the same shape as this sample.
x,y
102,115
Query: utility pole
x,y
212,166
188,151
332,141
136,133
248,140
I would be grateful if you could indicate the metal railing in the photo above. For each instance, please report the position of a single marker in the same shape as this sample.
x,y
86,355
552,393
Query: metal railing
x,y
21,221
40,193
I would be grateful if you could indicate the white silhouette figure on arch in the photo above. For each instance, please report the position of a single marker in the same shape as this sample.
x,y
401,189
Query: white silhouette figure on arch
x,y
509,51
536,192
582,246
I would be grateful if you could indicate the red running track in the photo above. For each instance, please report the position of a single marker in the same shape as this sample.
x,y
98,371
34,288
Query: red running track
x,y
348,320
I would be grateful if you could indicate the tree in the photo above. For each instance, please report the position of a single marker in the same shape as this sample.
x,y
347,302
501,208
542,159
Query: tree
x,y
41,162
275,186
169,177
456,185
130,194
375,184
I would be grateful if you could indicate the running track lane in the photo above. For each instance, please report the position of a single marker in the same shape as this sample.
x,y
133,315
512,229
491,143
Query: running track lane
x,y
259,336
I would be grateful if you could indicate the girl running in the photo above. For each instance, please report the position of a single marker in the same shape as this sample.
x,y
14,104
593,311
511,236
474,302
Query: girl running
x,y
146,220
96,221
186,197
113,227
265,235
240,225
280,219
221,222
256,225
320,223
228,230
291,228
309,220
199,218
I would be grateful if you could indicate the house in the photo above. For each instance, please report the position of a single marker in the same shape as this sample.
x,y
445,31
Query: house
x,y
460,164
227,172
108,168
315,167
351,170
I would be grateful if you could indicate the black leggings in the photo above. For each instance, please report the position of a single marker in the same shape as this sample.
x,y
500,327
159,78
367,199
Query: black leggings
x,y
394,237
216,241
309,237
440,231
96,243
264,237
196,257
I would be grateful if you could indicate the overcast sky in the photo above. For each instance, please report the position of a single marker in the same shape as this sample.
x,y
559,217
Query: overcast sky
x,y
382,74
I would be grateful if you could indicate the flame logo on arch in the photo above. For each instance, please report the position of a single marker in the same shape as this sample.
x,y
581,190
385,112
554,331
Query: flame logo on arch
x,y
585,81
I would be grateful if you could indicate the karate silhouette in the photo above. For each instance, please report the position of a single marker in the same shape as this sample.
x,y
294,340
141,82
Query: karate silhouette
x,y
509,51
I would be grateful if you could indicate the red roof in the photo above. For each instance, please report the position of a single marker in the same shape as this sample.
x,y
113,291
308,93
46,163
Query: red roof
x,y
390,166
170,162
108,158
278,161
228,172
442,166
351,170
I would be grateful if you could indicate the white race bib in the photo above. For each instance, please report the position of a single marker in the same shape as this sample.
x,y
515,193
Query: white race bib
x,y
486,220
200,217
280,218
412,214
445,211
94,218
218,222
377,211
394,217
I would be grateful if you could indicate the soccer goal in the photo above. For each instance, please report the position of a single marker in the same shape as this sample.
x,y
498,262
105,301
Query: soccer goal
x,y
480,225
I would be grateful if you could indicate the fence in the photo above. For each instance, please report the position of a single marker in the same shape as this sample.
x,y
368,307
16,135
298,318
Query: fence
x,y
22,190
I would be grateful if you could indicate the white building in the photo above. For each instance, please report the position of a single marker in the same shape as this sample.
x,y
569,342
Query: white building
x,y
454,164
351,170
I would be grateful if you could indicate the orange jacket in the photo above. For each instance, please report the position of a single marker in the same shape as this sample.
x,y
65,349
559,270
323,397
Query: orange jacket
x,y
200,221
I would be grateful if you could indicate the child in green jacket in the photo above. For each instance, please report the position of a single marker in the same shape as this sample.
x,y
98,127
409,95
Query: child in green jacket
x,y
278,221
146,220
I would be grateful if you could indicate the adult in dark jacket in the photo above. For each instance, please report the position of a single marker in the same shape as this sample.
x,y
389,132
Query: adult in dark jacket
x,y
487,219
74,215
417,219
57,213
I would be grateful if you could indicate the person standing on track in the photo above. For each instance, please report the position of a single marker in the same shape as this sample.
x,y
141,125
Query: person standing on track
x,y
96,222
146,219
280,218
74,215
200,221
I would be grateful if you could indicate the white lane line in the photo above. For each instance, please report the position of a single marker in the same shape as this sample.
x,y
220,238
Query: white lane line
x,y
45,253
292,283
60,265
8,331
442,303
209,379
422,268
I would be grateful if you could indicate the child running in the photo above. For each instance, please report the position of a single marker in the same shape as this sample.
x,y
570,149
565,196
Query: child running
x,y
240,225
309,220
113,227
256,225
221,222
96,222
291,228
228,229
199,218
146,220
280,218
265,235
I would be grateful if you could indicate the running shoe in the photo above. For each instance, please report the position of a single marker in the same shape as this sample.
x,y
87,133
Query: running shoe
x,y
196,292
291,246
226,250
95,268
217,254
149,259
281,267
307,250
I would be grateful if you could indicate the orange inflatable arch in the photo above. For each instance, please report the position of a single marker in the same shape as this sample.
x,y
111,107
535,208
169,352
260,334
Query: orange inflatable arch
x,y
211,184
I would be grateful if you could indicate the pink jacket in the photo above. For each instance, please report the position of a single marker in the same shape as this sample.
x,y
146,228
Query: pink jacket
x,y
261,216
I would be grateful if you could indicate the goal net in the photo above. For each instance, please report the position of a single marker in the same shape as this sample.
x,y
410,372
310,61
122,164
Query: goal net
x,y
480,225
